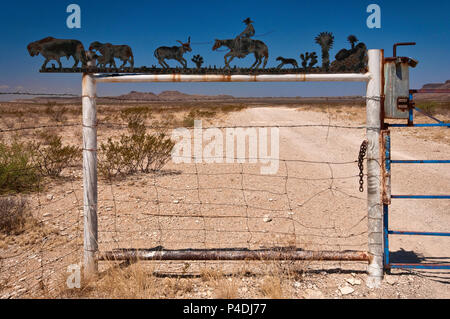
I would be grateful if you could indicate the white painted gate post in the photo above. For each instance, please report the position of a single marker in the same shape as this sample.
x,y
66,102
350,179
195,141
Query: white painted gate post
x,y
374,200
89,92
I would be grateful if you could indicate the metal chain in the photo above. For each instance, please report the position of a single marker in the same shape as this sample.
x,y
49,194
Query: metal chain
x,y
362,154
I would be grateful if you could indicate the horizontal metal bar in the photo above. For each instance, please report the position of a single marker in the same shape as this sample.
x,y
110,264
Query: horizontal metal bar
x,y
421,196
416,233
421,125
420,161
300,77
419,266
233,254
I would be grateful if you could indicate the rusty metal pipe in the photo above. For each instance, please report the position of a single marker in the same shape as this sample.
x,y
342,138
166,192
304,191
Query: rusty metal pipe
x,y
137,78
233,254
403,44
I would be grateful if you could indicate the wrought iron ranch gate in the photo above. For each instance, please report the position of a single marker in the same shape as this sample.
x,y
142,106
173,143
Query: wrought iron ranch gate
x,y
374,253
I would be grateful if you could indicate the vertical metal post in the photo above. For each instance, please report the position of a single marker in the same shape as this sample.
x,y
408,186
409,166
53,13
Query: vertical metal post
x,y
374,199
90,175
386,140
411,112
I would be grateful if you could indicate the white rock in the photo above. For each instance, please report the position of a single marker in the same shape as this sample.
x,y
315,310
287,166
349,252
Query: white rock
x,y
176,201
390,280
353,281
49,196
267,219
346,290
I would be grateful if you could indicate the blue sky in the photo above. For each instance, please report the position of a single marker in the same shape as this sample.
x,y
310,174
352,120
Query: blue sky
x,y
288,27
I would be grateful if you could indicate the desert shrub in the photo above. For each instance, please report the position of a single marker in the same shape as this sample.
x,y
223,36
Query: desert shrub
x,y
188,120
56,112
13,215
50,156
134,152
17,172
135,114
232,108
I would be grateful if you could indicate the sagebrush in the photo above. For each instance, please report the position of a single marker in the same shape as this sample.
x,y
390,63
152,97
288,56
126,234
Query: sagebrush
x,y
50,156
17,172
134,152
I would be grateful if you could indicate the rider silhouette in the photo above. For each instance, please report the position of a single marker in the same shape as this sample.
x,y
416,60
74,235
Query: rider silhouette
x,y
241,40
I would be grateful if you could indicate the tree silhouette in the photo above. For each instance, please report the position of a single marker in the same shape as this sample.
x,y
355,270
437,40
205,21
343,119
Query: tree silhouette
x,y
325,40
353,40
198,60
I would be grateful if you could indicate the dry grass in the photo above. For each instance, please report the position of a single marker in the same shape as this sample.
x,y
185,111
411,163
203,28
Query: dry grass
x,y
18,227
13,215
135,281
271,287
226,288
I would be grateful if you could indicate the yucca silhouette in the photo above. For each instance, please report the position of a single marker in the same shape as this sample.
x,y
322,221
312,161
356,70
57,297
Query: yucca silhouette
x,y
326,41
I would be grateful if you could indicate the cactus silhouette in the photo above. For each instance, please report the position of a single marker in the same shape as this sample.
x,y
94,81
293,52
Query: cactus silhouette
x,y
305,58
198,60
311,57
326,41
313,61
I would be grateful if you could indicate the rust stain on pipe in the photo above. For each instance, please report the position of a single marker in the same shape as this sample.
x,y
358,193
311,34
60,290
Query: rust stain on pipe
x,y
233,254
176,77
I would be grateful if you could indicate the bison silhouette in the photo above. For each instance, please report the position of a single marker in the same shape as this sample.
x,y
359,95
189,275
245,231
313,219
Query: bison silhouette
x,y
55,49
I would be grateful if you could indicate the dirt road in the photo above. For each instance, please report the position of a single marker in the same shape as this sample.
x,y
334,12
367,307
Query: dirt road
x,y
340,145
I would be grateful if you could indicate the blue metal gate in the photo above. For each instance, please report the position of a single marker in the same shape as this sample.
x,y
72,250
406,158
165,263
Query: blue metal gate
x,y
386,141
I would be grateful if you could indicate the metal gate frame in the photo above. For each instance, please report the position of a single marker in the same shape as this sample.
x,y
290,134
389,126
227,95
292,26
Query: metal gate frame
x,y
387,197
374,80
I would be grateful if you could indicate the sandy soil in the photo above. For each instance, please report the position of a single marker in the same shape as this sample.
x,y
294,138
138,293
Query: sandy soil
x,y
312,202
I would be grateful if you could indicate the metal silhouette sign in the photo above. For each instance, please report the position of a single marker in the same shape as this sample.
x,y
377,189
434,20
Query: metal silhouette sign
x,y
101,57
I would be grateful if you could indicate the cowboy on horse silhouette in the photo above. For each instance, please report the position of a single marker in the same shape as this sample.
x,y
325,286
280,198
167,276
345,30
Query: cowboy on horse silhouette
x,y
242,40
243,45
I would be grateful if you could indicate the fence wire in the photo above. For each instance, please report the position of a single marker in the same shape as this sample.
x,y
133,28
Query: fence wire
x,y
309,204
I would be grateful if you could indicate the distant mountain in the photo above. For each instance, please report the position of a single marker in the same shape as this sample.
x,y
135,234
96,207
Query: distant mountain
x,y
170,96
139,96
133,96
434,96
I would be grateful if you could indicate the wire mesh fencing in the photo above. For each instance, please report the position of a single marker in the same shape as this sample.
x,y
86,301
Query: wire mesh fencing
x,y
311,202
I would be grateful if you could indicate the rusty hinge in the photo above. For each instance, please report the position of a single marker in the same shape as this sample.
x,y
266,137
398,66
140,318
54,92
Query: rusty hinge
x,y
404,103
